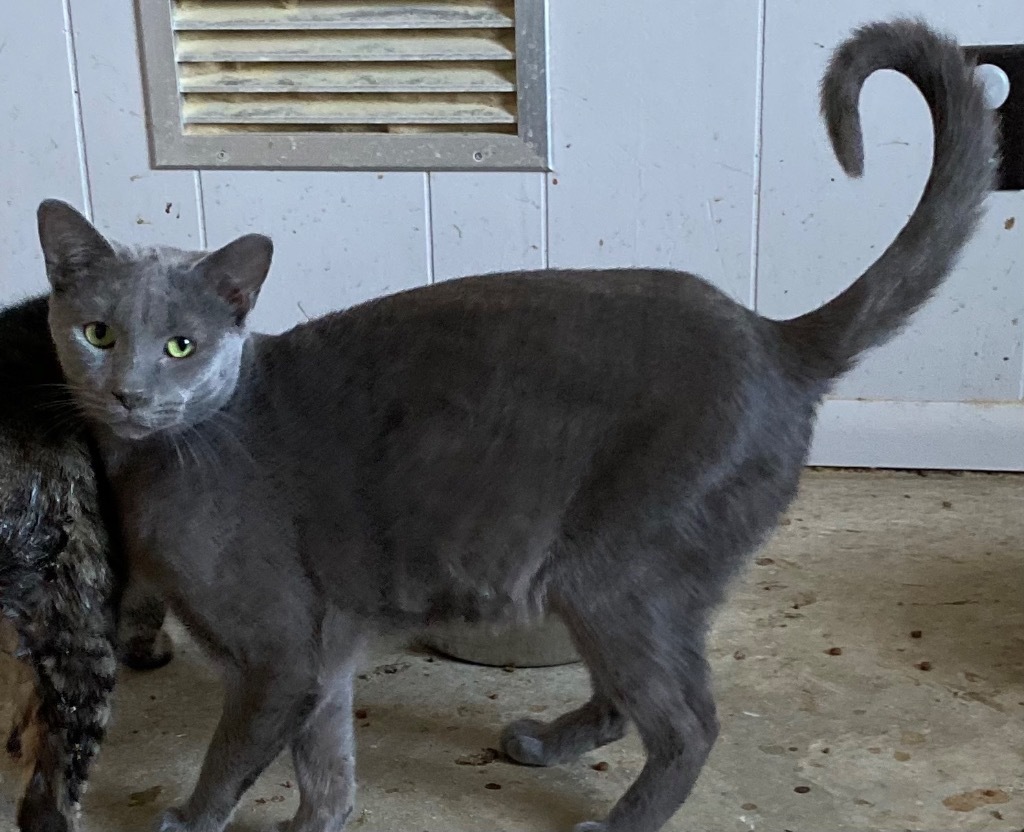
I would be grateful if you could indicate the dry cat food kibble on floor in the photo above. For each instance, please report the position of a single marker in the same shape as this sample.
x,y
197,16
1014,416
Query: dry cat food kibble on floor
x,y
969,801
481,758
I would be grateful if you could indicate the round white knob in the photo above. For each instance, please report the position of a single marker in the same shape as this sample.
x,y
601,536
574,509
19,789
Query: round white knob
x,y
996,84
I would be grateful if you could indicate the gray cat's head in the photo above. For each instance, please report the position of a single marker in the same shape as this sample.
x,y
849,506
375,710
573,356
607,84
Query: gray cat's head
x,y
150,339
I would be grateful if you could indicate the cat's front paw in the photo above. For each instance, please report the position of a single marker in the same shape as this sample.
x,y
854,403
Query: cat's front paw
x,y
146,654
591,826
520,743
172,820
176,819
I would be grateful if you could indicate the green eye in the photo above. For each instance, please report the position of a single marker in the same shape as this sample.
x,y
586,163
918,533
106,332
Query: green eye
x,y
180,347
99,335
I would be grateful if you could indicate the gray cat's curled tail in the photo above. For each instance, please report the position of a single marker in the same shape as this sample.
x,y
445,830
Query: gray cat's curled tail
x,y
881,301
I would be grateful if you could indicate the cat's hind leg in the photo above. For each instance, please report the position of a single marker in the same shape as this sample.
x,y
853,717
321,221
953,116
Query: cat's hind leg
x,y
649,651
597,723
665,516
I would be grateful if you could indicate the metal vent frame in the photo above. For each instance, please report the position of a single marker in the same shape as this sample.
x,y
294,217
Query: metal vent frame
x,y
171,147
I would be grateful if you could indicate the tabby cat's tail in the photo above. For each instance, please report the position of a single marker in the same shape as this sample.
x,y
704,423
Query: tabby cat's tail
x,y
881,301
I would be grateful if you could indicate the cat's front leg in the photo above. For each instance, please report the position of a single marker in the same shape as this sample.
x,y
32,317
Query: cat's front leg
x,y
325,762
143,644
263,710
324,749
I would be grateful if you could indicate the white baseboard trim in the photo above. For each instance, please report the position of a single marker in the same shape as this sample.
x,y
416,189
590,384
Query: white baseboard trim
x,y
978,436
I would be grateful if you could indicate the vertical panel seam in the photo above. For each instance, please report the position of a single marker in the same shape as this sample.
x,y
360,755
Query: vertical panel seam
x,y
545,231
76,103
755,219
201,210
428,226
545,224
1020,388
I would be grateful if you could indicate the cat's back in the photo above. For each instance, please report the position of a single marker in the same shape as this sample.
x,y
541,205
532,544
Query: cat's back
x,y
568,293
588,327
540,359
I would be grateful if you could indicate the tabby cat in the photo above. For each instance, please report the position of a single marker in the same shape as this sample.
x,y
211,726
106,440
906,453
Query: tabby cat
x,y
60,577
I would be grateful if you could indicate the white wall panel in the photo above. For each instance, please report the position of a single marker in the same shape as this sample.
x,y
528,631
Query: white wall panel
x,y
656,142
39,155
819,230
486,223
653,121
981,436
340,238
130,201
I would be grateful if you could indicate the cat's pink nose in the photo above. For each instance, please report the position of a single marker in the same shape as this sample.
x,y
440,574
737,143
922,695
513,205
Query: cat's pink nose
x,y
130,400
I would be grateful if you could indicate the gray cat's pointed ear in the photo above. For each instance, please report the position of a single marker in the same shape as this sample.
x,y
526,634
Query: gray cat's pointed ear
x,y
238,270
71,245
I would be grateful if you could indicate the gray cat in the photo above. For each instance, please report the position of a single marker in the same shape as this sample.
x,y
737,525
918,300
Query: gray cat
x,y
608,446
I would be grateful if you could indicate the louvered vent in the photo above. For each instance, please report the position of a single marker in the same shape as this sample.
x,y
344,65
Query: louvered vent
x,y
376,66
381,69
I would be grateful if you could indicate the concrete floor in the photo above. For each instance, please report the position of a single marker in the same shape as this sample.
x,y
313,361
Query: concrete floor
x,y
870,676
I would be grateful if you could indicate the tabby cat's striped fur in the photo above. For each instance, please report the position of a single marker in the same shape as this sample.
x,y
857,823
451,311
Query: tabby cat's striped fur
x,y
59,584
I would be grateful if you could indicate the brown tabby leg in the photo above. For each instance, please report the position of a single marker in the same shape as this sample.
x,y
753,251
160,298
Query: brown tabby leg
x,y
57,592
44,807
74,686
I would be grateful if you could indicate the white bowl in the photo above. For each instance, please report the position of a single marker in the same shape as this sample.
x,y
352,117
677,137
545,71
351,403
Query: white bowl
x,y
542,645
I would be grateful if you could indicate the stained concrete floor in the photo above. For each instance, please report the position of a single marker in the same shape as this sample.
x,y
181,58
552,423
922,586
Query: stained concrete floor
x,y
870,676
